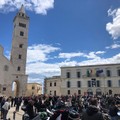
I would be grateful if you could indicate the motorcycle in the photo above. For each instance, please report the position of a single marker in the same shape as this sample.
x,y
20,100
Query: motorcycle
x,y
65,114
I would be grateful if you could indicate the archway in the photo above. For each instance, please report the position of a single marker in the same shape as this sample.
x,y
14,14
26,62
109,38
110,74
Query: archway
x,y
98,91
15,88
89,92
110,92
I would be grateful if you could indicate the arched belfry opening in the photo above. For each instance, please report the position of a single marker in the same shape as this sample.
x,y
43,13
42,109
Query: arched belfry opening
x,y
15,88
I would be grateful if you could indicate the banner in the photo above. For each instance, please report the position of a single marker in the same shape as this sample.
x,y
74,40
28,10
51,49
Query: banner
x,y
99,72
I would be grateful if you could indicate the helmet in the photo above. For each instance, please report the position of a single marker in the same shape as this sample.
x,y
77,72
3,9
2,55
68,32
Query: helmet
x,y
43,115
60,105
73,115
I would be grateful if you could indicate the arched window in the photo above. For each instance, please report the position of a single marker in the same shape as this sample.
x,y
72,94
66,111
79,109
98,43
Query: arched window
x,y
90,92
6,68
98,91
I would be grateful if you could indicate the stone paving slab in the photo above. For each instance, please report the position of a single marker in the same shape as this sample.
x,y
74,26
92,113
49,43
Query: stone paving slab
x,y
18,115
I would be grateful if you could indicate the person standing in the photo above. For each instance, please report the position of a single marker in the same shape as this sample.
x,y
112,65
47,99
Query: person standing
x,y
113,111
18,103
6,108
30,110
2,103
92,112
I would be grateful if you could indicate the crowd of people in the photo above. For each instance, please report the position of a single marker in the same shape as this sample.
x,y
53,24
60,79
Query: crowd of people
x,y
89,107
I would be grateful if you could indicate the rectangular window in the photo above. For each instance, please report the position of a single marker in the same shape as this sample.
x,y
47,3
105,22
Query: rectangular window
x,y
21,46
109,83
21,33
68,74
4,88
50,84
108,73
6,68
97,74
68,92
79,92
89,84
93,82
68,84
55,93
78,84
54,83
88,73
118,71
22,25
18,69
33,87
98,83
50,92
78,74
119,83
20,56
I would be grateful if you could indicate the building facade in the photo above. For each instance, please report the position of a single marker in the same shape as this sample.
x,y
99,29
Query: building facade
x,y
52,86
14,70
34,89
91,79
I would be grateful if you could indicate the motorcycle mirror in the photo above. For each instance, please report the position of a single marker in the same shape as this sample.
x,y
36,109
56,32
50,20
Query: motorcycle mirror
x,y
118,113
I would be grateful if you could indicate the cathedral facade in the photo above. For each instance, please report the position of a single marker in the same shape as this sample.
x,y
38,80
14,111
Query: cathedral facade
x,y
14,70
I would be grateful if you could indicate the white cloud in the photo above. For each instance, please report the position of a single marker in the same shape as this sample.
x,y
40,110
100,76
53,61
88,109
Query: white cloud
x,y
114,27
37,80
90,55
70,55
100,52
44,69
95,61
38,6
114,46
39,52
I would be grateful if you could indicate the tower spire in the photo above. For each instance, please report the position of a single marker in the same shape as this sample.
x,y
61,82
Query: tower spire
x,y
22,9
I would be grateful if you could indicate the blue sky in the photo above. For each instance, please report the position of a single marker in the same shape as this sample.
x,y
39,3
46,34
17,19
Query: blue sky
x,y
64,33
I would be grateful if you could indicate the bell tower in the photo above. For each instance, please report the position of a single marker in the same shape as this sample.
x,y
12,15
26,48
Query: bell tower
x,y
19,48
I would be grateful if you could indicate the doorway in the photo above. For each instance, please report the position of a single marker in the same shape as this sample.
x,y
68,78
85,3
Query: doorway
x,y
15,88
